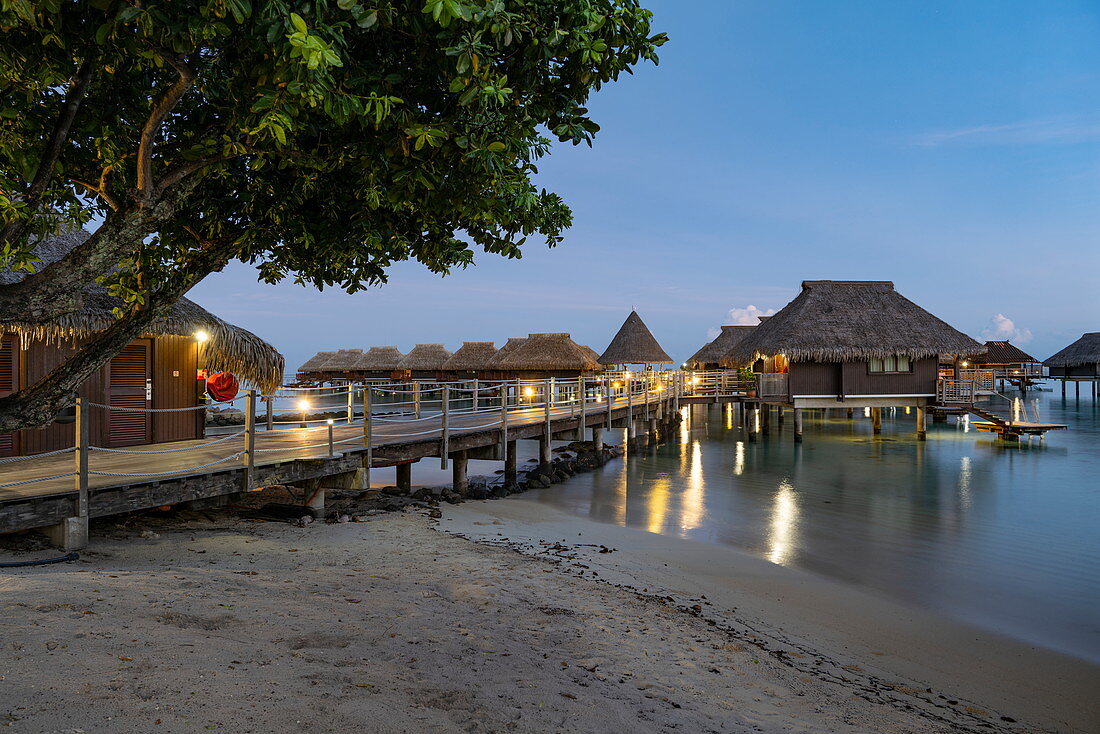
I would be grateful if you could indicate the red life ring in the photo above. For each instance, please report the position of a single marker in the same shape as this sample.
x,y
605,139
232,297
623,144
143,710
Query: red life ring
x,y
222,386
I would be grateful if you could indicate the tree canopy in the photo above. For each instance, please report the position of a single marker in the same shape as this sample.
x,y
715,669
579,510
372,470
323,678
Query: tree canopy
x,y
322,141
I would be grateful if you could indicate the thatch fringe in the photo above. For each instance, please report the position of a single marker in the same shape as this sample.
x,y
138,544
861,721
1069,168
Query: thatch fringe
x,y
634,343
344,360
1084,351
847,321
425,357
470,357
380,359
547,352
1004,352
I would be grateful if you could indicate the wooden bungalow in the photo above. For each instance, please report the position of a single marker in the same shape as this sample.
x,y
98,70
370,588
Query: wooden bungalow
x,y
1077,363
378,363
711,354
540,356
165,368
340,366
310,371
493,370
634,343
471,359
423,362
1009,363
850,344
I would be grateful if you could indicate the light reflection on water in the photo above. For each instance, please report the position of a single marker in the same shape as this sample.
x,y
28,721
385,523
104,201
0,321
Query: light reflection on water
x,y
1002,536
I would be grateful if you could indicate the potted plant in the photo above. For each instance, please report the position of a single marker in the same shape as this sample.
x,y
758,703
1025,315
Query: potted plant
x,y
748,381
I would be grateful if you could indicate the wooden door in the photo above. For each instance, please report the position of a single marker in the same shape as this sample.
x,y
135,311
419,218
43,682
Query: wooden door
x,y
9,383
129,385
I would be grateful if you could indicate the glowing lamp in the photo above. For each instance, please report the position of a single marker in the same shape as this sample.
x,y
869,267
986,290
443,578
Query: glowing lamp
x,y
303,404
965,363
529,392
331,421
201,336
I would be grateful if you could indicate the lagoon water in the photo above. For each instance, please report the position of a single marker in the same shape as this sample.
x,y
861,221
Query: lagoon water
x,y
1004,537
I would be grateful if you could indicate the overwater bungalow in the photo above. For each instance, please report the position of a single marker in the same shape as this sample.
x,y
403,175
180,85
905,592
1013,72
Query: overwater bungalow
x,y
634,343
850,344
165,368
310,370
378,363
471,359
423,362
341,365
1009,363
711,355
492,370
541,356
1077,363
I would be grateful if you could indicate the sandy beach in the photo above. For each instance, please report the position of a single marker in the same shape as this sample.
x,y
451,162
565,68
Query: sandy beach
x,y
393,626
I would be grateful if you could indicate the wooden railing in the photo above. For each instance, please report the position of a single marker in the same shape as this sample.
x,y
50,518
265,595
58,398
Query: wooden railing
x,y
983,380
957,392
772,385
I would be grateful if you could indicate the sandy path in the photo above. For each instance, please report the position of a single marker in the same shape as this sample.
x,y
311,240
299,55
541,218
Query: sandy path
x,y
384,626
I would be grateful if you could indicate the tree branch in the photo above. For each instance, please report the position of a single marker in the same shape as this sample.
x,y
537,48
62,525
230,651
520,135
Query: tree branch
x,y
56,142
145,189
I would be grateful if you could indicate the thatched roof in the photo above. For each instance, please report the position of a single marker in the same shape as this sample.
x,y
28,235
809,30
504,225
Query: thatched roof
x,y
634,344
1004,352
509,346
314,363
228,347
548,352
425,357
1085,350
714,351
379,359
846,321
471,356
343,360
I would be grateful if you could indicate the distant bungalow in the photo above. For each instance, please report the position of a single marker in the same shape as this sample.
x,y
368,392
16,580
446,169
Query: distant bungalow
x,y
378,363
1009,363
712,354
850,344
634,343
469,360
541,356
423,362
160,370
1077,363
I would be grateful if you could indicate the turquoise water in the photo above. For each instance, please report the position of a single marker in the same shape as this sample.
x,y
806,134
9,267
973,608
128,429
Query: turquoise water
x,y
1005,537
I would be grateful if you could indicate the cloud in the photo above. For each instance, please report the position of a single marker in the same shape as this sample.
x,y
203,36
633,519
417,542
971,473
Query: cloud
x,y
747,316
1025,132
1001,328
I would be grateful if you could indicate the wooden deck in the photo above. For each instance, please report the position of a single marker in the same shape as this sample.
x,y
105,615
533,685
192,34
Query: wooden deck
x,y
144,477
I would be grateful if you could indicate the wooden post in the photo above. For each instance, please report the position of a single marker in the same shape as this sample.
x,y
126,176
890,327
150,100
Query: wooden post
x,y
629,405
330,446
460,480
851,413
779,414
367,408
545,453
922,435
404,476
504,445
765,418
351,402
475,394
510,463
607,397
546,385
249,439
581,397
798,425
445,439
1063,388
74,531
597,439
752,420
876,420
270,412
416,399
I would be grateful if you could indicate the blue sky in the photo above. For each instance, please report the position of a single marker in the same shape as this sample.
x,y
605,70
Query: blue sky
x,y
953,148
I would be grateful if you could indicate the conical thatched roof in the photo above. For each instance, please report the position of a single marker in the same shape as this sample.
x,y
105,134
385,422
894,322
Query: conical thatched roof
x,y
314,363
845,321
471,356
424,357
548,352
228,347
343,360
1004,352
380,359
634,344
1085,350
714,351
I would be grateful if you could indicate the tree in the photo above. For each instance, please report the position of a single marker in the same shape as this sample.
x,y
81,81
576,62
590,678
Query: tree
x,y
322,141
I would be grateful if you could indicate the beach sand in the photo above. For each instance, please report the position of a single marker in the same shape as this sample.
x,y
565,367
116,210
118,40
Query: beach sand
x,y
392,626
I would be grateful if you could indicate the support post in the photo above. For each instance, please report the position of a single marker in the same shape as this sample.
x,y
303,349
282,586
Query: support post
x,y
250,439
331,451
270,412
72,532
475,393
752,421
651,427
608,396
404,476
367,409
597,439
504,445
765,418
798,425
351,402
546,400
922,435
510,464
545,455
629,405
460,480
851,413
581,397
876,420
445,438
779,414
416,399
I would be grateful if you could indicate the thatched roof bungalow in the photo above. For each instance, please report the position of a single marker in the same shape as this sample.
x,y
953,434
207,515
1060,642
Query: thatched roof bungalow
x,y
424,361
546,355
850,343
634,343
1080,360
1008,361
312,366
341,364
162,369
378,363
711,354
470,359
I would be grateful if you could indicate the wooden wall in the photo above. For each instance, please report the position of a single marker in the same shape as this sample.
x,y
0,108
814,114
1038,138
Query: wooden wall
x,y
1080,370
174,365
855,378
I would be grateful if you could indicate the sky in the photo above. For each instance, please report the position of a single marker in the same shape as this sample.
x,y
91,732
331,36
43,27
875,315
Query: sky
x,y
953,148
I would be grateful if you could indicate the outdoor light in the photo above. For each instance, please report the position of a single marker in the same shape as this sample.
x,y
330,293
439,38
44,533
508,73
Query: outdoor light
x,y
331,421
303,404
201,336
965,363
694,380
616,384
529,392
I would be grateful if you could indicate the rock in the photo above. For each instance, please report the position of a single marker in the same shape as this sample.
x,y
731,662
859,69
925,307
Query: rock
x,y
149,535
393,491
435,512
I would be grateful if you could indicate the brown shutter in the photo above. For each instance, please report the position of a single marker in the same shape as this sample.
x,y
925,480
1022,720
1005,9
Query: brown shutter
x,y
128,377
9,383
